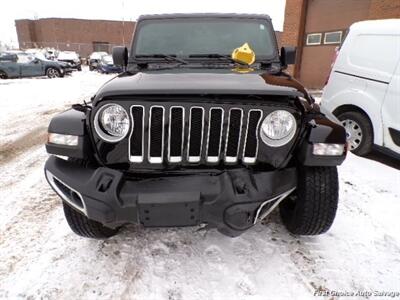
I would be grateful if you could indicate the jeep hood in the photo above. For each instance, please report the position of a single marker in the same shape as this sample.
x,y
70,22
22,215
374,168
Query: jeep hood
x,y
202,82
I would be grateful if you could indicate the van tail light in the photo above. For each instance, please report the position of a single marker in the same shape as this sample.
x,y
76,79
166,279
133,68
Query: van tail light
x,y
335,55
327,77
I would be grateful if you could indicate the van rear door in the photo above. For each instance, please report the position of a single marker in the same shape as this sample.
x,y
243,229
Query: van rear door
x,y
391,113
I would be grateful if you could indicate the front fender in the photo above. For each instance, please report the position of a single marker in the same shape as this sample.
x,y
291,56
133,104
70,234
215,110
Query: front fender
x,y
70,122
321,130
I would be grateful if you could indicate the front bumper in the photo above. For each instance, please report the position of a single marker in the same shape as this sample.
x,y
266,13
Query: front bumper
x,y
231,200
76,66
73,65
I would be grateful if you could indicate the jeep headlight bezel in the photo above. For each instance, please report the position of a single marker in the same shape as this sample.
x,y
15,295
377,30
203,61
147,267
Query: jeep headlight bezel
x,y
112,122
278,128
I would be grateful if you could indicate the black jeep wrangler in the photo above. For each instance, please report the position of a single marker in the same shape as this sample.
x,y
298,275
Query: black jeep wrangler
x,y
190,135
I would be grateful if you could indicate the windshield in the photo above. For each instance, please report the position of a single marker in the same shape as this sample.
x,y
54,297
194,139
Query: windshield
x,y
184,37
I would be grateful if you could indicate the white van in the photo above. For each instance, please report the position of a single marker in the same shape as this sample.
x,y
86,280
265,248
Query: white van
x,y
363,89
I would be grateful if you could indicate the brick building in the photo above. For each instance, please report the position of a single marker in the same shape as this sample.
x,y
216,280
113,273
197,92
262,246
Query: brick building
x,y
317,27
83,36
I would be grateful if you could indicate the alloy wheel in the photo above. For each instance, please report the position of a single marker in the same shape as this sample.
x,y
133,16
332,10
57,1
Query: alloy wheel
x,y
52,73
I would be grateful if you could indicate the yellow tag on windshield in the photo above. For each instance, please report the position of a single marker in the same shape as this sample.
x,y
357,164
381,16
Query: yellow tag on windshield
x,y
244,54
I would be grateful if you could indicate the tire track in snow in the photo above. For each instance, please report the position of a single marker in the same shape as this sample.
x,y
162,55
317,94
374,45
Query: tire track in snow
x,y
11,150
298,256
35,208
29,130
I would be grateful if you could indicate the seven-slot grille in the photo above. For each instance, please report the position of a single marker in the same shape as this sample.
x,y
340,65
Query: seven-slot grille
x,y
194,134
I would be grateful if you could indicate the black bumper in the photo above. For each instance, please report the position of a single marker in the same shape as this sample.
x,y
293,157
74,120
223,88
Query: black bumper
x,y
73,65
77,66
228,200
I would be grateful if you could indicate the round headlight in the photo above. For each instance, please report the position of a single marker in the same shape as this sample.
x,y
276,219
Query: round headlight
x,y
278,128
112,122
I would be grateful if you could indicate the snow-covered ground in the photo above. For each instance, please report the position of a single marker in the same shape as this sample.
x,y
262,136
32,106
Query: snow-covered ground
x,y
40,258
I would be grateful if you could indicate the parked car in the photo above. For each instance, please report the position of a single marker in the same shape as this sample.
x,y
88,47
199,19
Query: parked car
x,y
107,66
25,65
363,89
94,59
190,135
72,58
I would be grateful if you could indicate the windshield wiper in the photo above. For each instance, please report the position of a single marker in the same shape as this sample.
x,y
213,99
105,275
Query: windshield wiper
x,y
217,55
164,56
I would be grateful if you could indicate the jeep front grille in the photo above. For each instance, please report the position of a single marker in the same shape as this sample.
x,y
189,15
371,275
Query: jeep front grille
x,y
193,135
176,134
156,134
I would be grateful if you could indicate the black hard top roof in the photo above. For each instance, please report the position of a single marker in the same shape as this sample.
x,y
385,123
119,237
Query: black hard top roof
x,y
204,15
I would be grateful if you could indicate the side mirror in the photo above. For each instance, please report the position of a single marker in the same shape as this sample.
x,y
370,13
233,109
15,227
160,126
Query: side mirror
x,y
120,56
288,56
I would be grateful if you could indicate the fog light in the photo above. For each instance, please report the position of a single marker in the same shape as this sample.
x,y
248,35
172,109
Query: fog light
x,y
328,149
63,139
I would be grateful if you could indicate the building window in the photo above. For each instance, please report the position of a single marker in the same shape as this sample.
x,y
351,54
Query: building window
x,y
333,37
101,46
314,39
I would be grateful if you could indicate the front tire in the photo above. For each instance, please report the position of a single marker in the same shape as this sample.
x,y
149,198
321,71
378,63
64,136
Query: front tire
x,y
312,208
85,227
358,130
53,73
